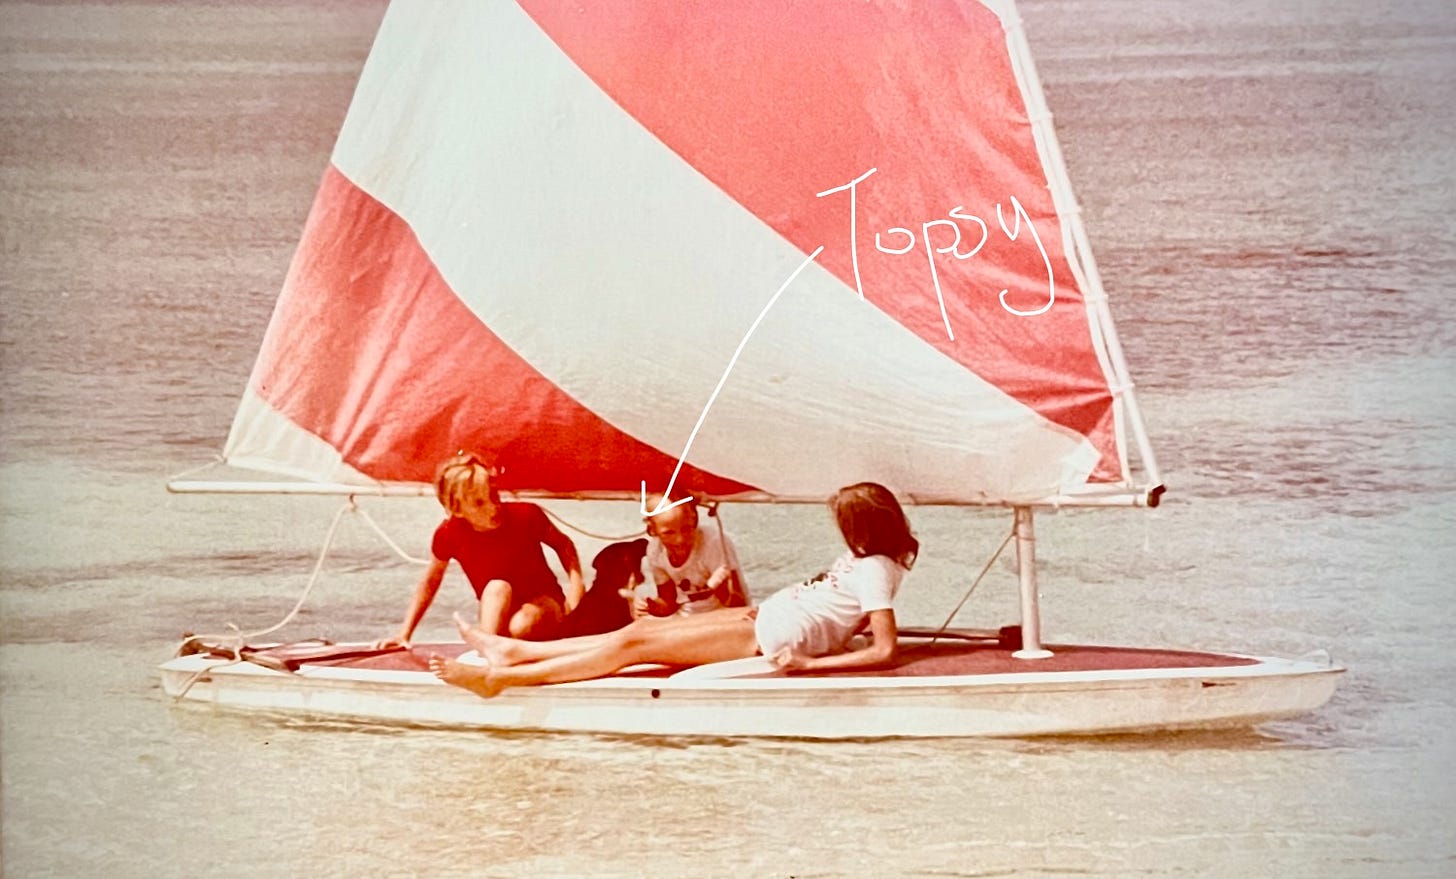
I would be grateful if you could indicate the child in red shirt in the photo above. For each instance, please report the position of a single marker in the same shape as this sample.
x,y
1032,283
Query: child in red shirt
x,y
499,546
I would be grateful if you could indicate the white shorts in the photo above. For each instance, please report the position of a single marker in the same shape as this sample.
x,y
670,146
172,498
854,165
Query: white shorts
x,y
774,629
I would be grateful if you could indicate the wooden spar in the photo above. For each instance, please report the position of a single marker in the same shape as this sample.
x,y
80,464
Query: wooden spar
x,y
398,489
1096,496
1026,569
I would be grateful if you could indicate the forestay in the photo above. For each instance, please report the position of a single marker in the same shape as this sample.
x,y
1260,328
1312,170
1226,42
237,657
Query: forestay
x,y
548,228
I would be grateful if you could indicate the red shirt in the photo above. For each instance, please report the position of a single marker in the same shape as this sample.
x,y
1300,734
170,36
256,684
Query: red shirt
x,y
511,552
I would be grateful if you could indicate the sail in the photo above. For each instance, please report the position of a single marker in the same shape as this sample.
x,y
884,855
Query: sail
x,y
791,245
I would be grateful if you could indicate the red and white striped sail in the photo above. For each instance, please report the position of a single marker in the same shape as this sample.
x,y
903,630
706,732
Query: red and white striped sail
x,y
548,226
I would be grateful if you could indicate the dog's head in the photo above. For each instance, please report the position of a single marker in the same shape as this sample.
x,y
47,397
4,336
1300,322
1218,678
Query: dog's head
x,y
617,562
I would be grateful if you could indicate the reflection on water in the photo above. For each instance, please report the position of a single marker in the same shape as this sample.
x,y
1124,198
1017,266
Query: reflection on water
x,y
1268,191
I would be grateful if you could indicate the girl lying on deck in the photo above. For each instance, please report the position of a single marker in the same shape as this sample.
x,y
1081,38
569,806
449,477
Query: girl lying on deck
x,y
801,628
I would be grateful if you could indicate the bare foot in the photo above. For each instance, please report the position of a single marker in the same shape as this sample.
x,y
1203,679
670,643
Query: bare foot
x,y
494,649
475,678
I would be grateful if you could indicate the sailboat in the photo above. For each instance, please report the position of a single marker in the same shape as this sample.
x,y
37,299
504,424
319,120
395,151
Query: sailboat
x,y
759,249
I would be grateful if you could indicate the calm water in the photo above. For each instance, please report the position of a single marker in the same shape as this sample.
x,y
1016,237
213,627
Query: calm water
x,y
1269,190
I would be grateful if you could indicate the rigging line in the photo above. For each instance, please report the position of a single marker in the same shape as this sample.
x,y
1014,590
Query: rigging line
x,y
198,675
594,536
236,639
979,577
369,520
239,637
739,588
203,672
216,460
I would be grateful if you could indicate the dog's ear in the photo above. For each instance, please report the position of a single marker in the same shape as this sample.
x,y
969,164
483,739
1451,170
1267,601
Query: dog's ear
x,y
622,556
605,559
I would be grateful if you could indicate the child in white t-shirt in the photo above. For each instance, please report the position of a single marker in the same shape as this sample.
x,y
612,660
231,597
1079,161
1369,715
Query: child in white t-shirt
x,y
820,615
691,567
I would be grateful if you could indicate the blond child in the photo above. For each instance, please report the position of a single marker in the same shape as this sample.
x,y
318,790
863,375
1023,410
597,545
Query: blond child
x,y
691,568
499,546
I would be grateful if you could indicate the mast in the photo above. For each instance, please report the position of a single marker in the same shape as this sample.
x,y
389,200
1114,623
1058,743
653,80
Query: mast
x,y
1104,332
1026,570
1079,256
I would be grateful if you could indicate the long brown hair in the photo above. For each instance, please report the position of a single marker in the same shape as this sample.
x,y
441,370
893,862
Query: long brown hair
x,y
873,523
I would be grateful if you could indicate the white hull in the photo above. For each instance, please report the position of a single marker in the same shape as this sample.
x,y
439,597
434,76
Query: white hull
x,y
709,702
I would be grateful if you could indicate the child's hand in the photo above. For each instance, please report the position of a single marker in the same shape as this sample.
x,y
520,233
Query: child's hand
x,y
790,660
394,642
659,608
645,605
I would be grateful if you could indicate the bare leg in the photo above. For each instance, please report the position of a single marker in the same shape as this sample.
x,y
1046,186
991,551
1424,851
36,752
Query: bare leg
x,y
495,598
536,619
501,651
717,638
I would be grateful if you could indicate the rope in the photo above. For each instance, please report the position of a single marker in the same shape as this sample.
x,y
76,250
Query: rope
x,y
235,639
386,538
216,460
979,577
201,672
586,533
739,589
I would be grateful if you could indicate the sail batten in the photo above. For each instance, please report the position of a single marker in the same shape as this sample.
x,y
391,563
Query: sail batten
x,y
542,241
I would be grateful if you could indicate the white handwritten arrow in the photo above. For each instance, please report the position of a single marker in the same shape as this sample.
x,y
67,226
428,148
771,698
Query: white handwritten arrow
x,y
666,503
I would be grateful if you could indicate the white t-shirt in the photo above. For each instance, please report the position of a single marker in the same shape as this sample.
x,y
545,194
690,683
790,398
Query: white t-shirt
x,y
692,575
819,617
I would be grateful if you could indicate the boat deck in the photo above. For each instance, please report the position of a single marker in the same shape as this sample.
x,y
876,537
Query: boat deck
x,y
918,658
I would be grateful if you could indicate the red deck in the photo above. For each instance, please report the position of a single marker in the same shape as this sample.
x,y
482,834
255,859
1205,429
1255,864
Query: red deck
x,y
916,659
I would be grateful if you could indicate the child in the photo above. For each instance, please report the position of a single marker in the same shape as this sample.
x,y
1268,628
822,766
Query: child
x,y
499,547
801,628
690,568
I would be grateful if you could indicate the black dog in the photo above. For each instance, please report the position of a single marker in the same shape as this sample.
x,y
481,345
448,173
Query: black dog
x,y
604,609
